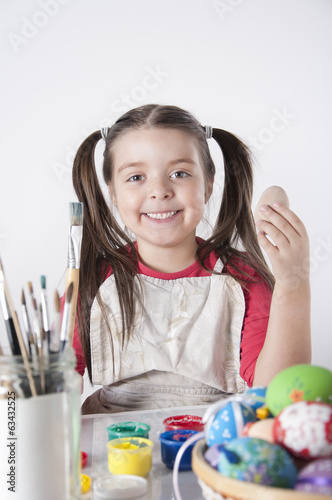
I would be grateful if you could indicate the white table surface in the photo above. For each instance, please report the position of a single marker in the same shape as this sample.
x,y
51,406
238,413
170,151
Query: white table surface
x,y
94,440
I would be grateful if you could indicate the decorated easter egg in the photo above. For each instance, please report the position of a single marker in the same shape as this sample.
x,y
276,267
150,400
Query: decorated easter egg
x,y
212,454
228,423
257,461
255,397
299,383
316,477
305,429
262,429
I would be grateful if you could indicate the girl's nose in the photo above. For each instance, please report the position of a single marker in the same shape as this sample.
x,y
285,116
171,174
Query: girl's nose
x,y
161,189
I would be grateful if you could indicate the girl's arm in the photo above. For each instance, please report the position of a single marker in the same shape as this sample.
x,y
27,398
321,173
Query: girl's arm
x,y
288,339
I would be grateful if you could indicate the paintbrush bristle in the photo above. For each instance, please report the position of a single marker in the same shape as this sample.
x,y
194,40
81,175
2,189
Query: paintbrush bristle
x,y
30,287
57,303
76,213
69,292
43,282
23,298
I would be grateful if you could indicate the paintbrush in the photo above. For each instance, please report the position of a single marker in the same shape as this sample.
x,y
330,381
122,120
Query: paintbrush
x,y
8,316
43,333
38,335
18,332
37,328
67,313
26,323
44,307
56,327
74,254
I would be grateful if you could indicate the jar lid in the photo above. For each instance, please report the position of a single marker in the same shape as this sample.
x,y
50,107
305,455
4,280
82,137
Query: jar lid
x,y
125,429
121,486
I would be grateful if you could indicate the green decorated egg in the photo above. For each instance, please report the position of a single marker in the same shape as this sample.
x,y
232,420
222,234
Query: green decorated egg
x,y
257,461
299,383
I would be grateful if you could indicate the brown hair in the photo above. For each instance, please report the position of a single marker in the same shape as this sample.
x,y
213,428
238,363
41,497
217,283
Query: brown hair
x,y
104,242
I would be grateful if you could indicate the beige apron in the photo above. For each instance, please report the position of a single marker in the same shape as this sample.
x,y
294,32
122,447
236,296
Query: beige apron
x,y
184,348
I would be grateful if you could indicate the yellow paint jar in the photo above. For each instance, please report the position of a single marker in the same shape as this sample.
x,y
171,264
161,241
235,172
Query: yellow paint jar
x,y
130,456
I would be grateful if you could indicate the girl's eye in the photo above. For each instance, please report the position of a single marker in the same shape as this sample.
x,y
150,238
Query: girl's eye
x,y
135,178
180,174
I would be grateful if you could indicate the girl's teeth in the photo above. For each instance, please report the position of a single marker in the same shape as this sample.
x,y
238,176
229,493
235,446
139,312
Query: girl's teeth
x,y
165,215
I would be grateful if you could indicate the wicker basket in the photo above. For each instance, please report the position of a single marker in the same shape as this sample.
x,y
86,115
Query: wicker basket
x,y
218,487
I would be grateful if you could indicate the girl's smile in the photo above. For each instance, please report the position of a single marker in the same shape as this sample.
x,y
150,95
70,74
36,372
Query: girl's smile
x,y
160,190
163,216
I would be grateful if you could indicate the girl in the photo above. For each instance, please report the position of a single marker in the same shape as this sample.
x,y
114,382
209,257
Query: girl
x,y
166,318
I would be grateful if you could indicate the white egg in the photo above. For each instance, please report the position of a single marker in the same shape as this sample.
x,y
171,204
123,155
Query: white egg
x,y
270,196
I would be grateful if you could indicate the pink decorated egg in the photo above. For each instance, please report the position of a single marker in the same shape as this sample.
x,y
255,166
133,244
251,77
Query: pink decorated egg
x,y
305,429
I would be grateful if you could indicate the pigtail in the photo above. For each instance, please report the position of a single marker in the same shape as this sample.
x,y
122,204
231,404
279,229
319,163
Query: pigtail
x,y
102,239
235,223
235,208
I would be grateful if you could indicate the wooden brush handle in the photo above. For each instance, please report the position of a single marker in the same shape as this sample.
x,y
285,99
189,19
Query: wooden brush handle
x,y
72,277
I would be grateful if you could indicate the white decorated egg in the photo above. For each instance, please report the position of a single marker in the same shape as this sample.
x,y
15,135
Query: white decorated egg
x,y
305,429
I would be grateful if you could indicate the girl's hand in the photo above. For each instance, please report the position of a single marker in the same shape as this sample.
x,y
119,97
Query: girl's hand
x,y
289,255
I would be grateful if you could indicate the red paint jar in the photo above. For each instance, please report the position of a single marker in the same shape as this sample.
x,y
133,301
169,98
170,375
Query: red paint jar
x,y
180,422
84,457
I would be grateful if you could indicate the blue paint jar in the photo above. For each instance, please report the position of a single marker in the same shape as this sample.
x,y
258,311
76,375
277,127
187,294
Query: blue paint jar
x,y
171,442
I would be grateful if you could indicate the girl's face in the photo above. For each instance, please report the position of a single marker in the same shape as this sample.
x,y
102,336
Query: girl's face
x,y
159,187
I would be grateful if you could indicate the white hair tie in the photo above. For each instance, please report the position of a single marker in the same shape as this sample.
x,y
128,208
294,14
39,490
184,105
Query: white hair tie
x,y
104,132
208,131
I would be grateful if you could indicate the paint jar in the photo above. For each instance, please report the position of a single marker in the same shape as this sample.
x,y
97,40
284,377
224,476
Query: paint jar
x,y
128,429
40,428
171,442
180,422
84,459
131,455
123,486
